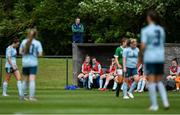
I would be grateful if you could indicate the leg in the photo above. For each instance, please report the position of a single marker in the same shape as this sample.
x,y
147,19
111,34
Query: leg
x,y
101,80
32,86
162,91
5,84
81,78
118,79
177,83
139,85
109,77
143,83
125,88
19,84
152,92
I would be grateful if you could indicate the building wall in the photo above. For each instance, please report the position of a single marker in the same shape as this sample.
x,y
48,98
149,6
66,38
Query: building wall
x,y
104,52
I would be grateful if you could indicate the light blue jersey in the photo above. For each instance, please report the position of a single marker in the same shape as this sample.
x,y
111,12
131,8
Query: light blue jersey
x,y
131,57
153,36
31,59
11,53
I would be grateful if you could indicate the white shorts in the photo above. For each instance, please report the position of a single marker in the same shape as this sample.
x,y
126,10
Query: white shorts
x,y
119,72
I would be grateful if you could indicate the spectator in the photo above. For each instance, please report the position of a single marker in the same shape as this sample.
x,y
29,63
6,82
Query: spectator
x,y
78,30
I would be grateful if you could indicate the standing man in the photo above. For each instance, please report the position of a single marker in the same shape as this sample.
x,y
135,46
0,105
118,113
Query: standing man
x,y
78,30
152,44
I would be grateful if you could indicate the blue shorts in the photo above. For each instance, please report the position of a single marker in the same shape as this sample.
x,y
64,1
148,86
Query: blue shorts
x,y
131,72
9,70
154,68
29,70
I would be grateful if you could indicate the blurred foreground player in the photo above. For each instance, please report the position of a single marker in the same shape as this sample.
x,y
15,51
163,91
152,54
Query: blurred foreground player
x,y
152,44
30,49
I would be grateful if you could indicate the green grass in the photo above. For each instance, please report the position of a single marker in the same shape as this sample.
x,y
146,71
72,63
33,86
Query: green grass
x,y
51,73
83,101
52,98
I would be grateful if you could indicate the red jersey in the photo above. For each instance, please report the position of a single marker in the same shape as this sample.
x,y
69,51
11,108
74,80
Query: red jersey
x,y
86,67
97,68
173,70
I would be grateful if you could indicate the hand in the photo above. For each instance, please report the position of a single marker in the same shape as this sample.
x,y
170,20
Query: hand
x,y
125,70
119,66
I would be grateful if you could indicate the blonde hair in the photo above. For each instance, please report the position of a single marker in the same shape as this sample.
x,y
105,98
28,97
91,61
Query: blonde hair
x,y
132,40
32,33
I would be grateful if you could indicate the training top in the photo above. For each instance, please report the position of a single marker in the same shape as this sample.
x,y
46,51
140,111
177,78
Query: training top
x,y
131,56
153,36
118,54
31,59
10,53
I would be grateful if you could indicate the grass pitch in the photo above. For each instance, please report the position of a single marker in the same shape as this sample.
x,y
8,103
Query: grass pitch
x,y
60,101
52,98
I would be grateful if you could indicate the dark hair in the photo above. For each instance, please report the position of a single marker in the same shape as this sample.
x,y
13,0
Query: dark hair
x,y
15,40
153,15
123,39
175,59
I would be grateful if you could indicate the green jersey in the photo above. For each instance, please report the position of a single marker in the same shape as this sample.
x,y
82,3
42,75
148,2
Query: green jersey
x,y
119,54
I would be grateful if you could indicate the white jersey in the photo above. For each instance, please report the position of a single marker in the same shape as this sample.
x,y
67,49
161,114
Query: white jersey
x,y
11,53
153,36
31,59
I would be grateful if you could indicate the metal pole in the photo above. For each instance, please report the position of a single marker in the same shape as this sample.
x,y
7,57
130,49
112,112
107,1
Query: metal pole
x,y
67,71
1,71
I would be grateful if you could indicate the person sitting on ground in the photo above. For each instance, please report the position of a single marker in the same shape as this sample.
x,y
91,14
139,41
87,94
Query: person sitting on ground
x,y
109,76
85,70
96,72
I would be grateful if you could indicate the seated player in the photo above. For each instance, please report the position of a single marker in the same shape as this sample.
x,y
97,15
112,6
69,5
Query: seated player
x,y
174,71
86,68
96,72
109,76
142,79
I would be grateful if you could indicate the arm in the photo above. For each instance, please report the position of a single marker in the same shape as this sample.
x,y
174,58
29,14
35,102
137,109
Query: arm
x,y
9,59
117,62
40,50
143,44
73,29
124,63
21,49
82,29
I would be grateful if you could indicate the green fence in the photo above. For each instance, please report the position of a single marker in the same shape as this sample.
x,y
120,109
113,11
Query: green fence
x,y
53,72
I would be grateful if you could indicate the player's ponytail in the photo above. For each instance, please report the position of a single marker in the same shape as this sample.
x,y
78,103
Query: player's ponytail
x,y
32,33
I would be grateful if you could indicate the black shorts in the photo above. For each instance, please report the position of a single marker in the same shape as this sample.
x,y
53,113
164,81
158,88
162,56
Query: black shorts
x,y
9,70
29,70
154,68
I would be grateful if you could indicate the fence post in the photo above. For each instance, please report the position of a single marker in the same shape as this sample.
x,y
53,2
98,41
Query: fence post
x,y
1,71
67,71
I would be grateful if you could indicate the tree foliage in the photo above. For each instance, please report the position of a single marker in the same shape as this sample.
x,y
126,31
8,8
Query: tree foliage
x,y
104,20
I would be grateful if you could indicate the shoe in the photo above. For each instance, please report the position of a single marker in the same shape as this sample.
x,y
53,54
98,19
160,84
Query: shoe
x,y
104,89
125,97
5,95
166,106
141,91
21,98
32,99
153,108
136,90
130,95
